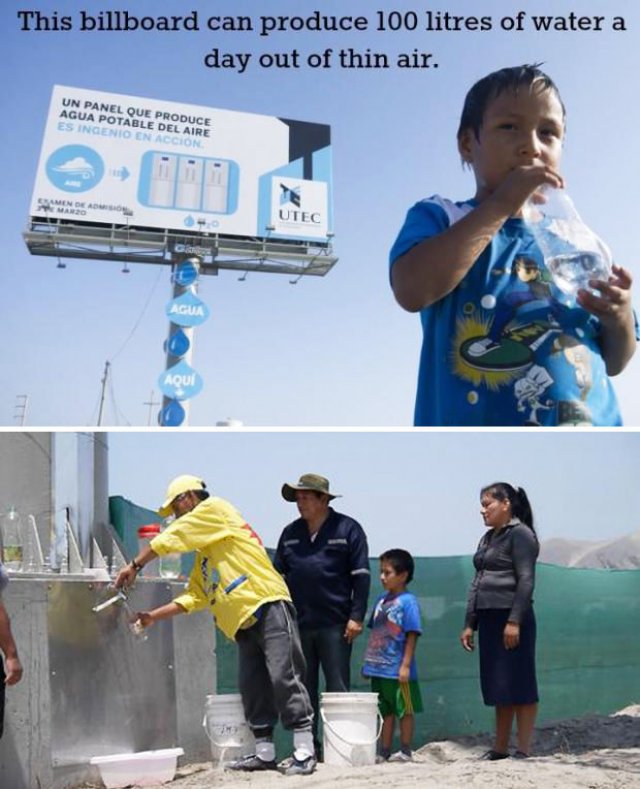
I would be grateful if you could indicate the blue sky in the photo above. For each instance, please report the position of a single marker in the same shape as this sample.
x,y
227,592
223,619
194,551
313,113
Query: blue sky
x,y
332,351
413,489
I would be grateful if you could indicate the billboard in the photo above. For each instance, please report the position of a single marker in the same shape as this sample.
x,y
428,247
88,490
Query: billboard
x,y
108,158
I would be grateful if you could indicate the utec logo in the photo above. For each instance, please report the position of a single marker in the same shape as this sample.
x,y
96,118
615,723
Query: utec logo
x,y
289,195
292,196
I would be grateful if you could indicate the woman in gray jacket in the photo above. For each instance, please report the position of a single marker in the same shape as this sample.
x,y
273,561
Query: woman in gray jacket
x,y
499,606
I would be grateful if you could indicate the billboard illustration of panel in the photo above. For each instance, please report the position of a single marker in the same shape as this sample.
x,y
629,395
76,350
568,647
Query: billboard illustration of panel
x,y
107,156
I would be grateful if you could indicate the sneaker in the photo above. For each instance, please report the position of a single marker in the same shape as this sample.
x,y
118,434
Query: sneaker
x,y
493,756
251,764
482,347
381,758
295,766
401,756
520,755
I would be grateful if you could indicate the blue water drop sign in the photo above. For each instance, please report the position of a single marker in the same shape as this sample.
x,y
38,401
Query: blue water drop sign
x,y
75,168
178,344
180,382
172,415
187,310
186,274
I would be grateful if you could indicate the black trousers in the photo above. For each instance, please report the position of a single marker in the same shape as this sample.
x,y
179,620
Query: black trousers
x,y
328,649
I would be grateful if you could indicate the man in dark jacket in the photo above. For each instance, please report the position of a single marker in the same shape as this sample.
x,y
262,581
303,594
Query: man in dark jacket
x,y
324,558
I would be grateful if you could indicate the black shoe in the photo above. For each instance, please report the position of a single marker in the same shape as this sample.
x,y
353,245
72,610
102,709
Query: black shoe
x,y
295,766
251,764
520,755
493,756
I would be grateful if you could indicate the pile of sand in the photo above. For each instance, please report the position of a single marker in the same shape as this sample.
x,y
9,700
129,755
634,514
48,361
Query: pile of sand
x,y
594,752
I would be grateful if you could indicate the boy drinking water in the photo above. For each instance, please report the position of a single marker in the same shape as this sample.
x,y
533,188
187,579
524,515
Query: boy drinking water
x,y
495,327
390,656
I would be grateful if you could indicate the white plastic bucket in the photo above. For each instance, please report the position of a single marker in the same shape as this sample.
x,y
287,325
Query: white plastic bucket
x,y
224,722
351,725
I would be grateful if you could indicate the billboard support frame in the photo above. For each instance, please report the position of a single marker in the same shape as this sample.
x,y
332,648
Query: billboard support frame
x,y
120,242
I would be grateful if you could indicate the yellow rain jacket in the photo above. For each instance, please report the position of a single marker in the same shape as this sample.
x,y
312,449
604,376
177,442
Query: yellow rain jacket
x,y
232,574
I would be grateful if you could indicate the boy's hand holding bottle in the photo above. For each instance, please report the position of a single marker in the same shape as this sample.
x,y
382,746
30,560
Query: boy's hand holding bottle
x,y
612,301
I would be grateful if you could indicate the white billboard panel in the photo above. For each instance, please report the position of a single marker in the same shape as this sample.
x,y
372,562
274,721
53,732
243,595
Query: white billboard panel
x,y
107,156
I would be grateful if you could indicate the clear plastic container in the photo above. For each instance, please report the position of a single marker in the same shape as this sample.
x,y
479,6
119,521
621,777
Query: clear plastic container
x,y
171,565
573,253
11,543
145,535
138,631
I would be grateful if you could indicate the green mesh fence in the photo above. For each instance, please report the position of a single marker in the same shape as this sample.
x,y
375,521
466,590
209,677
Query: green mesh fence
x,y
588,652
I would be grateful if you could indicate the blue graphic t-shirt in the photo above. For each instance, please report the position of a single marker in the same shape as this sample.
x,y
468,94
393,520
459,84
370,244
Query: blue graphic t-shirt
x,y
393,617
506,346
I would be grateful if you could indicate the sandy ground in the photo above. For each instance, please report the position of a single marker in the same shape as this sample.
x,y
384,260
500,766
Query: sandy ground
x,y
595,752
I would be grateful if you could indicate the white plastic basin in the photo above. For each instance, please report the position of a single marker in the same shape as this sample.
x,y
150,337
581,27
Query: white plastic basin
x,y
144,768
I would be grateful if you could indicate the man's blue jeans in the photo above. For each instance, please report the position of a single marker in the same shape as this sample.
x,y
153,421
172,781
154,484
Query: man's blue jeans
x,y
325,647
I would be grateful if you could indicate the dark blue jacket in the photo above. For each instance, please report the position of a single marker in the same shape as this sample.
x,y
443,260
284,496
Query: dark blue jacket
x,y
328,578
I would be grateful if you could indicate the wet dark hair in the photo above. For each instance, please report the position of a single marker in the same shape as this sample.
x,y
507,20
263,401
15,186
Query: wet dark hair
x,y
489,87
517,497
400,560
201,494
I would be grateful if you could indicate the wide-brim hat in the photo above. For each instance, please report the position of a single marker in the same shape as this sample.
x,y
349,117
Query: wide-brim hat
x,y
179,485
308,482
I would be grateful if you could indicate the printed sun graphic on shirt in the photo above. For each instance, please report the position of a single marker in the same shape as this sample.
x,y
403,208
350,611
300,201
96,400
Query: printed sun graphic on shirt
x,y
468,329
504,340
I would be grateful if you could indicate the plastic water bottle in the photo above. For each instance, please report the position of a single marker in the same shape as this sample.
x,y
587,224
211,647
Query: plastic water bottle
x,y
12,540
572,252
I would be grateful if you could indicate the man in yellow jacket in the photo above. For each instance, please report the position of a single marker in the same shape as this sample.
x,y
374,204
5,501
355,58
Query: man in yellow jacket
x,y
234,578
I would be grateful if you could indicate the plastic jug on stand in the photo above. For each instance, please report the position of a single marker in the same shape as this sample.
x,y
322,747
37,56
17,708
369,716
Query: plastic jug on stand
x,y
572,252
145,535
12,550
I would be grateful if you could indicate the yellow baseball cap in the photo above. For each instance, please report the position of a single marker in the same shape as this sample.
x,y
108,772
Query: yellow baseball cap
x,y
179,485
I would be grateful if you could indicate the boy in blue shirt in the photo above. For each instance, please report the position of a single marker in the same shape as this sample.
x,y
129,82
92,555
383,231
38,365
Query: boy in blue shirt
x,y
496,329
390,656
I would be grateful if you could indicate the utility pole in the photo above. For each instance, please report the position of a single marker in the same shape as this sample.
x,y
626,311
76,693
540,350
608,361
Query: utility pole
x,y
151,402
20,413
103,391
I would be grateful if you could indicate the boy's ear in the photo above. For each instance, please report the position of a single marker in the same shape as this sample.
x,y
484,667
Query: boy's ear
x,y
465,149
